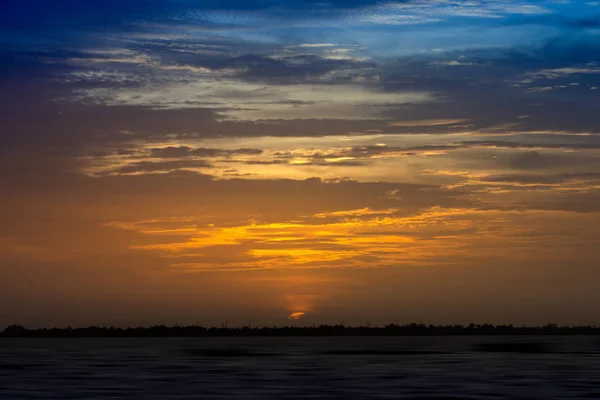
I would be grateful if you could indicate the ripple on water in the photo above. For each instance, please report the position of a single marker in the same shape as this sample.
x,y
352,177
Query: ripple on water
x,y
361,368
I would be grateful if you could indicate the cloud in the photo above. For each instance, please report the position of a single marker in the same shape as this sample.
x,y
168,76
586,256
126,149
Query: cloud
x,y
427,12
264,87
588,177
163,166
357,213
353,239
522,145
249,101
563,72
186,151
531,160
528,159
432,122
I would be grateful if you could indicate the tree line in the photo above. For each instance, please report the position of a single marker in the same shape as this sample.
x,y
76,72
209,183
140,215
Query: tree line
x,y
17,331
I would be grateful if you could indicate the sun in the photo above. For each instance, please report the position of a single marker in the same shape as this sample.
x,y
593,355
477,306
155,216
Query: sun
x,y
297,315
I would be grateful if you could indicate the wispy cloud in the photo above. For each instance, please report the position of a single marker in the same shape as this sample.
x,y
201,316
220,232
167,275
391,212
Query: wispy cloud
x,y
252,101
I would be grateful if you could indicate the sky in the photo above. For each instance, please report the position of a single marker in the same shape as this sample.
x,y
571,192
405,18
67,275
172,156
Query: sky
x,y
299,162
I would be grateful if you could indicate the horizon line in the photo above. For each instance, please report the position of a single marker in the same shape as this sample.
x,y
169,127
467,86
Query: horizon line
x,y
342,324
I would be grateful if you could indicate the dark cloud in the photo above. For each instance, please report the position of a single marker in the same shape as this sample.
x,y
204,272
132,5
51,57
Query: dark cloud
x,y
545,179
171,152
582,202
314,161
261,162
46,194
482,93
536,160
488,89
186,151
164,166
524,160
520,145
556,20
336,163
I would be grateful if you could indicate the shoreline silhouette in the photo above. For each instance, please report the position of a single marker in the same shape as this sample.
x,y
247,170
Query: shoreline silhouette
x,y
17,331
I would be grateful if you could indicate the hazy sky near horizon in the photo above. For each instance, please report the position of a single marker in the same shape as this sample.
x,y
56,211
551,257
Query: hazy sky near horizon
x,y
169,161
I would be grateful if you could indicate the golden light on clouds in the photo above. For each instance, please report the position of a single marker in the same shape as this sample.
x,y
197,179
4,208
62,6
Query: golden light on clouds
x,y
361,238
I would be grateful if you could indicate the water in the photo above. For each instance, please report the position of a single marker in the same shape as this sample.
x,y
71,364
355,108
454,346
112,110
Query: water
x,y
300,368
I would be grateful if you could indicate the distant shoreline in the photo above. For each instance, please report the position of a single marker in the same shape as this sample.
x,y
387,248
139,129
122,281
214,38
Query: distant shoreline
x,y
16,331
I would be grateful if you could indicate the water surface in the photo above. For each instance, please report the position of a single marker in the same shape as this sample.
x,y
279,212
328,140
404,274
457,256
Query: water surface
x,y
565,367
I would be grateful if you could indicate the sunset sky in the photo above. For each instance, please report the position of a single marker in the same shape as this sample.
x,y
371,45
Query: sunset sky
x,y
299,162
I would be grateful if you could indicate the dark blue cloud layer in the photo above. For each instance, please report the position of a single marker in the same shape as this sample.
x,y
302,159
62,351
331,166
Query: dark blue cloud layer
x,y
485,85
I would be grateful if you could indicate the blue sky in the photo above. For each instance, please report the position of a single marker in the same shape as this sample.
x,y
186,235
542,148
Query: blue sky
x,y
446,24
497,42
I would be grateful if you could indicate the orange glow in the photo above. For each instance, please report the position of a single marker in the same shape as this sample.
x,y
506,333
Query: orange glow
x,y
356,238
297,315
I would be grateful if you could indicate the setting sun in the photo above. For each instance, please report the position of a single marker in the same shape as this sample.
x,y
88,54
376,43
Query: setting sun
x,y
297,315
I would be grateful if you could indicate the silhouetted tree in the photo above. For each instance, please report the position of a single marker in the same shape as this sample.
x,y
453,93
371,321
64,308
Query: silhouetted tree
x,y
14,331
